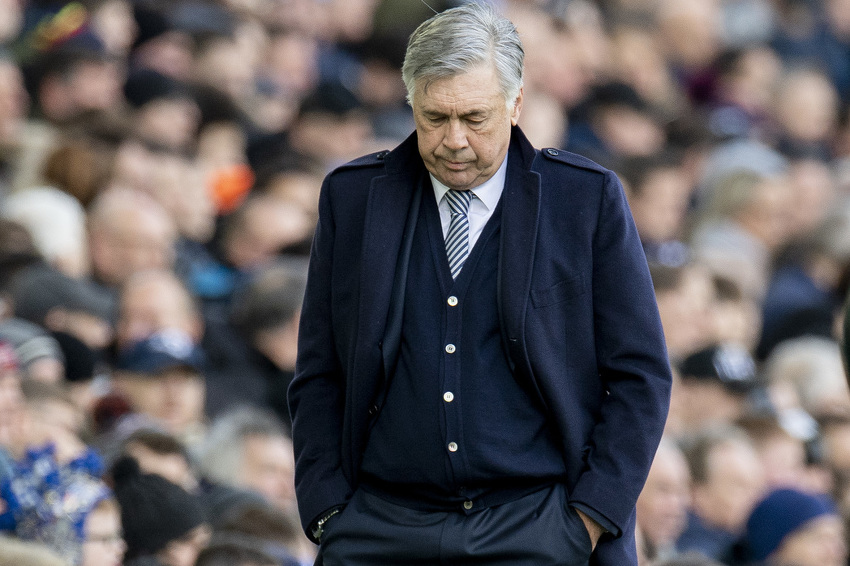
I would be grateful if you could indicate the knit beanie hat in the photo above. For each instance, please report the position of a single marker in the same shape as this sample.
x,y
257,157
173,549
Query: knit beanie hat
x,y
154,511
778,515
30,341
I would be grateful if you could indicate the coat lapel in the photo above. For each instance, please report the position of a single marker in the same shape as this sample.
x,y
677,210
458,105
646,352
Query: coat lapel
x,y
387,212
520,213
389,200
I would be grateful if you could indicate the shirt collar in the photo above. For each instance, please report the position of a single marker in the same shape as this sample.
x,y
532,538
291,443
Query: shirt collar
x,y
489,192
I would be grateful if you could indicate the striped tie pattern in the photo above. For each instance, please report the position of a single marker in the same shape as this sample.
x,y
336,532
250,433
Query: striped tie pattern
x,y
457,238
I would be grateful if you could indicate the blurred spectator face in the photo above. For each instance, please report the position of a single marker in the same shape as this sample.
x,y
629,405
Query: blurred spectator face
x,y
170,122
298,188
292,63
221,144
767,213
170,54
663,503
820,542
807,106
735,483
174,397
352,19
584,23
808,373
103,544
221,65
279,344
689,31
154,301
88,85
543,120
178,184
55,420
11,19
172,467
783,458
628,132
92,330
836,442
14,102
737,321
639,63
751,85
306,16
266,226
129,232
331,138
268,467
685,312
659,205
552,59
112,21
812,192
838,17
46,370
184,551
707,402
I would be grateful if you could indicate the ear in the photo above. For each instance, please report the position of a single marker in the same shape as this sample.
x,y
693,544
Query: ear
x,y
517,108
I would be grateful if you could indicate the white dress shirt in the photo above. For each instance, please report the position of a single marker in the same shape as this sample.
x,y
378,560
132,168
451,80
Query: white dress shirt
x,y
484,200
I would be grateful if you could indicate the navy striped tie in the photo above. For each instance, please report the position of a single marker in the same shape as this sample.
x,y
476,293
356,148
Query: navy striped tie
x,y
457,238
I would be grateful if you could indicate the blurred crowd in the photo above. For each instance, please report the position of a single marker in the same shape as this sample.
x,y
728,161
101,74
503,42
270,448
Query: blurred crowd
x,y
160,163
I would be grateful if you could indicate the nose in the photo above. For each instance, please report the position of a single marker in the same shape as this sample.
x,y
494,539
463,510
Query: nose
x,y
455,138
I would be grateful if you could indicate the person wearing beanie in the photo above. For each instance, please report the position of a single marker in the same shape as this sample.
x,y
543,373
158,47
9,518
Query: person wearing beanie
x,y
53,300
794,528
39,355
161,520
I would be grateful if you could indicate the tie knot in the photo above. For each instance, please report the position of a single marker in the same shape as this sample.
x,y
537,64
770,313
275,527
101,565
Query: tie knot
x,y
459,201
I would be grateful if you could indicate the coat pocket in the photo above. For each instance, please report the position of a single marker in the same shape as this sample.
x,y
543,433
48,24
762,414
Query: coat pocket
x,y
561,291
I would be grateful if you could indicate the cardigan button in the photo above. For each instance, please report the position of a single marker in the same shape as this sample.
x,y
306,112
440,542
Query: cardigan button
x,y
452,301
373,410
450,348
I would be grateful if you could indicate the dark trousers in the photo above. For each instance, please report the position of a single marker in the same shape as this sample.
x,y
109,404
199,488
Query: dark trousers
x,y
539,529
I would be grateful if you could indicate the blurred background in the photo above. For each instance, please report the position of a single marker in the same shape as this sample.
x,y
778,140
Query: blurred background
x,y
160,164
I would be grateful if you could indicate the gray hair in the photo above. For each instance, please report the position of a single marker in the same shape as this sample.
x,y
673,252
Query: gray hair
x,y
457,40
220,456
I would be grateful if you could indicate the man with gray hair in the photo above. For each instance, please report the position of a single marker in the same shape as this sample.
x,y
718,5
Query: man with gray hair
x,y
481,373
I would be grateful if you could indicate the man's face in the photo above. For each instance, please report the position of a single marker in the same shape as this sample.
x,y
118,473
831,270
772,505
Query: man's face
x,y
820,542
154,304
735,483
663,503
463,126
174,397
268,466
103,544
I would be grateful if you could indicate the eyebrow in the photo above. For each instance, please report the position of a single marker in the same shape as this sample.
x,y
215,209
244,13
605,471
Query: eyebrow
x,y
470,114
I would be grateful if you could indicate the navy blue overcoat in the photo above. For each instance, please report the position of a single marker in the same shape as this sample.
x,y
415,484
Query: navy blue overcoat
x,y
579,323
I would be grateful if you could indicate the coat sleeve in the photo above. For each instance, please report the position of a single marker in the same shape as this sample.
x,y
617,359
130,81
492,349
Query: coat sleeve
x,y
632,361
317,393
